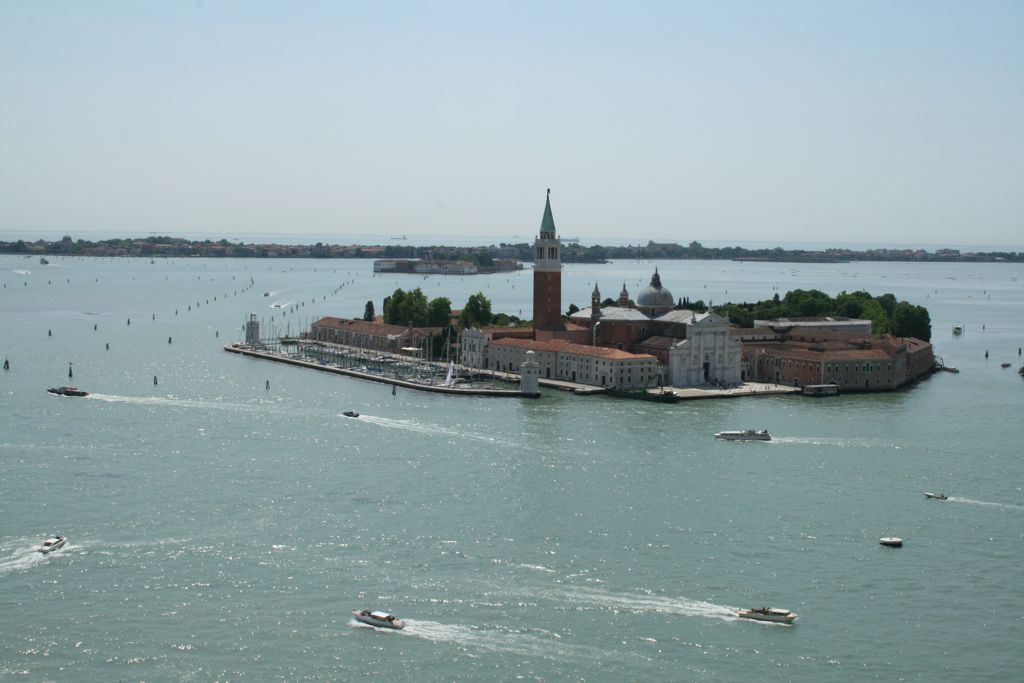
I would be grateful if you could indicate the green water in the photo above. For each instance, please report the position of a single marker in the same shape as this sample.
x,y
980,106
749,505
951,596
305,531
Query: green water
x,y
222,531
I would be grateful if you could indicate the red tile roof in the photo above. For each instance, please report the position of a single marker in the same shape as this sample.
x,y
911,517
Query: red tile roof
x,y
367,327
561,346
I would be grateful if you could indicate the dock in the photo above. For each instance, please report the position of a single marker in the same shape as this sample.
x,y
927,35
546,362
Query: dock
x,y
244,350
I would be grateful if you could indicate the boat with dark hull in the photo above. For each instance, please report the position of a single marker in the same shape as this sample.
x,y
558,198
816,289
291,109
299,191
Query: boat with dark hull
x,y
663,396
745,435
67,391
773,614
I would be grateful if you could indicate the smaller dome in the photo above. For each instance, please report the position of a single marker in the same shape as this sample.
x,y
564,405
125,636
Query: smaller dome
x,y
655,296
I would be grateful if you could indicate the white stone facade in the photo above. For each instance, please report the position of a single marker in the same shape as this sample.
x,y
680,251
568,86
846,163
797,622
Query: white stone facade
x,y
710,354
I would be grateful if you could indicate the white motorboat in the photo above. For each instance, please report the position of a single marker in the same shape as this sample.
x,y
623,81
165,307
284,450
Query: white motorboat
x,y
779,616
891,541
52,543
378,619
745,435
937,496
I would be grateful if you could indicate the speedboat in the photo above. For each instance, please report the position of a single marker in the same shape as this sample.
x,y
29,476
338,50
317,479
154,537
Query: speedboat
x,y
350,413
745,435
1004,365
266,293
891,541
378,619
937,496
52,543
67,391
781,616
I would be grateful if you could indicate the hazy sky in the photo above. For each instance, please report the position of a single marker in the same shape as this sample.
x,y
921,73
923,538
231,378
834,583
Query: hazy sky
x,y
867,122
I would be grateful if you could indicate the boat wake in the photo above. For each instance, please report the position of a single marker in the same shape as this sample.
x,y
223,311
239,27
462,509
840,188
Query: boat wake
x,y
413,426
832,441
172,401
586,599
520,642
970,501
25,557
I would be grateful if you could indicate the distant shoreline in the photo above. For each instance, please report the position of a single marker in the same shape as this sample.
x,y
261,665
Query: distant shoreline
x,y
484,256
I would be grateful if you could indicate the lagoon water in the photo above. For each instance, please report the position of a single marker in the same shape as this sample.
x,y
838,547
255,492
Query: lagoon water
x,y
223,531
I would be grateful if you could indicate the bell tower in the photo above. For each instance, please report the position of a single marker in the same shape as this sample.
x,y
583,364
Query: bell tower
x,y
547,274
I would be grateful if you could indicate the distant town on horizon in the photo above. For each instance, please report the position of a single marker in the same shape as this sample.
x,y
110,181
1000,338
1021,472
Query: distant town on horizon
x,y
483,256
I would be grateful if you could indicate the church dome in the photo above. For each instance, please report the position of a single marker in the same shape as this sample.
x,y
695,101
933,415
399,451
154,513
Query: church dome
x,y
655,297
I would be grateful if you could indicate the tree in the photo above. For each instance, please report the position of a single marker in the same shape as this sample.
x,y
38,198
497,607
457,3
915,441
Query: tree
x,y
368,313
851,305
573,308
874,312
807,303
406,308
888,304
439,312
909,320
476,312
738,314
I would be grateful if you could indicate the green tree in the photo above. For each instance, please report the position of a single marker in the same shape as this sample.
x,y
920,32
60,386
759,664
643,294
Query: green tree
x,y
476,312
807,303
368,312
439,312
406,308
573,308
874,312
909,320
851,305
738,314
888,304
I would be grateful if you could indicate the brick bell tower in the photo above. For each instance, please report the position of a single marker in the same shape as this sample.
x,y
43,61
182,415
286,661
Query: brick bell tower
x,y
547,275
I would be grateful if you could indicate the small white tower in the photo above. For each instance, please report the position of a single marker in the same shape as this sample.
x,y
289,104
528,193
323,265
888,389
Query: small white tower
x,y
252,331
529,382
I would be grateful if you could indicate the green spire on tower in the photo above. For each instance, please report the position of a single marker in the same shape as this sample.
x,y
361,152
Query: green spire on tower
x,y
547,224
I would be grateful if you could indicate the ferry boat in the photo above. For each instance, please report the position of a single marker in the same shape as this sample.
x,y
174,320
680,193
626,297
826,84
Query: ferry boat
x,y
53,543
745,435
779,616
378,619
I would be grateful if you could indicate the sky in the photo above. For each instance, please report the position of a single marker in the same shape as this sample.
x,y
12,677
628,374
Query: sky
x,y
827,122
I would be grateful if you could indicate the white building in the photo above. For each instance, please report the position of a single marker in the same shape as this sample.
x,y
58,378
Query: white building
x,y
561,360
